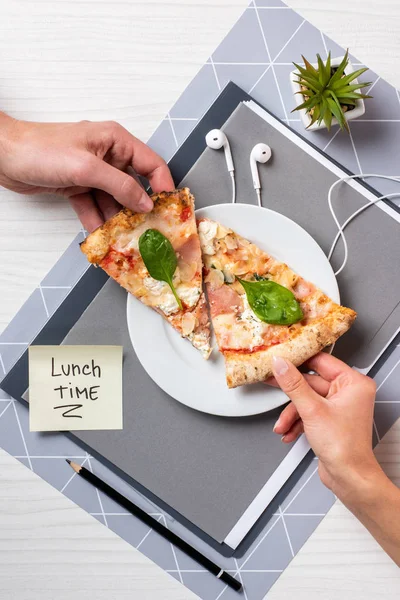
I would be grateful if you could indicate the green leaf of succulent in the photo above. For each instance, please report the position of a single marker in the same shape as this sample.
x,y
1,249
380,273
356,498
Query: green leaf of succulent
x,y
315,115
324,107
311,82
308,104
340,69
321,71
312,75
306,72
347,102
328,119
350,88
309,66
324,70
352,95
328,68
307,93
338,113
346,79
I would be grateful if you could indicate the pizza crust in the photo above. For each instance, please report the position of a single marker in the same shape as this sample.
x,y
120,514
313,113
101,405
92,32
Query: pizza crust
x,y
98,243
244,368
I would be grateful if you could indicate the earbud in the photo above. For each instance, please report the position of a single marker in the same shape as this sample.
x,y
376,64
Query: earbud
x,y
261,153
216,139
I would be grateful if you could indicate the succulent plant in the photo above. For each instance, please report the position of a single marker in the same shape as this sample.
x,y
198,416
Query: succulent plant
x,y
328,91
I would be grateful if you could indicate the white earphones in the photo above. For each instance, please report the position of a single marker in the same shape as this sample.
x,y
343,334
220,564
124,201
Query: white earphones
x,y
261,153
216,139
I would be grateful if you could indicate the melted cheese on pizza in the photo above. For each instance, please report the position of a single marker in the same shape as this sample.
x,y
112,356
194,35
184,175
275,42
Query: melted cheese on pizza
x,y
226,256
123,261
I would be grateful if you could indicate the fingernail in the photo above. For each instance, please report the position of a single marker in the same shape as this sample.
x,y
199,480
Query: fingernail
x,y
283,438
276,424
280,365
145,204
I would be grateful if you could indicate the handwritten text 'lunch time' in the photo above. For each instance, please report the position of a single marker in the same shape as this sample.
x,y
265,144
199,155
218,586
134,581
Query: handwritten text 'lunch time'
x,y
71,391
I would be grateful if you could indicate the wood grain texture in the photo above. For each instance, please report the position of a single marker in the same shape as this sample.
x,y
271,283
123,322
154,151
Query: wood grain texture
x,y
129,61
52,549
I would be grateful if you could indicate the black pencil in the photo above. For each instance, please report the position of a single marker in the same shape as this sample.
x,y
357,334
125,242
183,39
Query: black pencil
x,y
157,526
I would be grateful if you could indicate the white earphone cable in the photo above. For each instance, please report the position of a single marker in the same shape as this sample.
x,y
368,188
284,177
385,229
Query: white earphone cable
x,y
340,233
232,174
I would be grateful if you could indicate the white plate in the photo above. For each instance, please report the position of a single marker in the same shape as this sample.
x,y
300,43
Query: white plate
x,y
177,367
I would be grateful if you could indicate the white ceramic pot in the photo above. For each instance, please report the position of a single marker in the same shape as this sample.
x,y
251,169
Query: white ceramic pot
x,y
358,110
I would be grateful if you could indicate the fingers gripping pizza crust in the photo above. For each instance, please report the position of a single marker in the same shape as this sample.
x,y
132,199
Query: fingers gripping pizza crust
x,y
247,342
115,248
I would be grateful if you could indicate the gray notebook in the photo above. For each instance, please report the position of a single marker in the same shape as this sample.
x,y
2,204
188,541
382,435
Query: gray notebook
x,y
213,470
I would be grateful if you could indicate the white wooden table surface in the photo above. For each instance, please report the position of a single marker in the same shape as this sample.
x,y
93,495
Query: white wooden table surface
x,y
129,61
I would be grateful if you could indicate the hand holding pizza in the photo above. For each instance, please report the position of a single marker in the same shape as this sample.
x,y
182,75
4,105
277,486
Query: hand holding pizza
x,y
335,410
86,162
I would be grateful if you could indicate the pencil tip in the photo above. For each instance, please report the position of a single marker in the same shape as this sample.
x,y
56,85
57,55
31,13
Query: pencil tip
x,y
68,461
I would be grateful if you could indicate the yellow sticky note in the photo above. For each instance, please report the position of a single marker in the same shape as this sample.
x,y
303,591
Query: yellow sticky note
x,y
75,388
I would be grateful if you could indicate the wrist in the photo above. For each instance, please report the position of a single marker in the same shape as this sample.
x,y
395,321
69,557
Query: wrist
x,y
356,485
8,134
7,125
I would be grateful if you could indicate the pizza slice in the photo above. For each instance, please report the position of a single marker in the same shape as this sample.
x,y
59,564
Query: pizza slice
x,y
157,258
261,308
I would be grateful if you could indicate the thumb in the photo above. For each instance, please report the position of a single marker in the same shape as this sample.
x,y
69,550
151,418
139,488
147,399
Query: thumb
x,y
97,173
292,382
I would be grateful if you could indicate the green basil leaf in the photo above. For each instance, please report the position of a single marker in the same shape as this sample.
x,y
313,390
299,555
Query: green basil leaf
x,y
159,257
271,302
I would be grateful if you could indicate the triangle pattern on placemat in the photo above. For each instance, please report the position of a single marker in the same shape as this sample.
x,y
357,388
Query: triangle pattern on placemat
x,y
182,128
10,435
54,470
278,31
245,76
255,583
336,50
308,36
129,528
25,328
159,550
266,92
82,493
300,528
313,497
53,297
340,148
384,103
162,141
204,584
271,552
198,96
233,50
10,353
